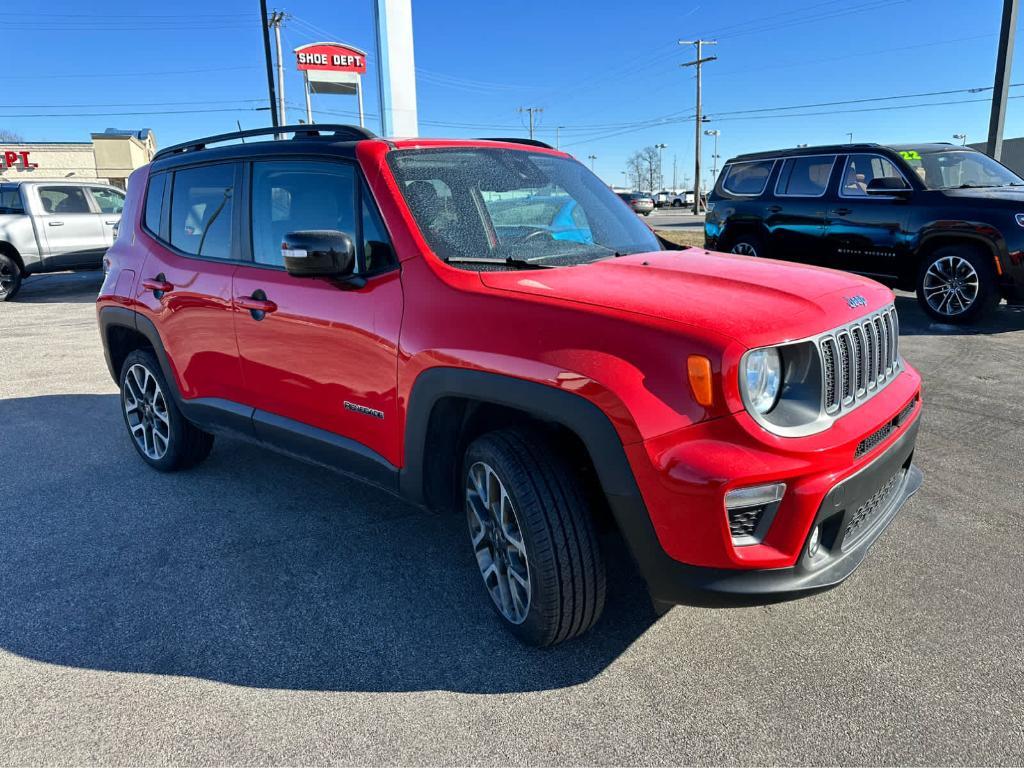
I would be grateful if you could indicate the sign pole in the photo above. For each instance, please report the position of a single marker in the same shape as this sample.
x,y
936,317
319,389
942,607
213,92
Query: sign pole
x,y
359,94
309,106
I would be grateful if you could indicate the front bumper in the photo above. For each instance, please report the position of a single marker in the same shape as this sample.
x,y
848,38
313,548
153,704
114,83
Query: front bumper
x,y
852,516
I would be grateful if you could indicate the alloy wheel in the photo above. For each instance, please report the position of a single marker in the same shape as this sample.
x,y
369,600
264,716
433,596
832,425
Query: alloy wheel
x,y
145,408
951,285
8,277
744,249
498,542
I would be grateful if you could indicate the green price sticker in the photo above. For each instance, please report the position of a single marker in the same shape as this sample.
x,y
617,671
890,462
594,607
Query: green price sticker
x,y
910,154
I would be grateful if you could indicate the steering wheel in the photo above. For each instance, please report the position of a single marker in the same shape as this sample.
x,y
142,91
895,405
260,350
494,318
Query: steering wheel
x,y
538,233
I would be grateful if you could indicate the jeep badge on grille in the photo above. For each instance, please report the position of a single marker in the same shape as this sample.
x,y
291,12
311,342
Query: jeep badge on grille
x,y
856,301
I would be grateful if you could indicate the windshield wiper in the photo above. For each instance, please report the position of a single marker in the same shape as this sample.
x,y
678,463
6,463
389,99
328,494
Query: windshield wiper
x,y
508,261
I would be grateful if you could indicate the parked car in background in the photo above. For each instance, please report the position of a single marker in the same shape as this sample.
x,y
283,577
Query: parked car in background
x,y
943,220
50,226
640,203
662,198
402,310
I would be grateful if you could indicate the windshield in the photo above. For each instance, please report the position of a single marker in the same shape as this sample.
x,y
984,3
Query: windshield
x,y
957,169
504,208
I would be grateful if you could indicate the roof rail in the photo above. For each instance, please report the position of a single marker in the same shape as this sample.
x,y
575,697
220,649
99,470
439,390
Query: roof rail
x,y
351,132
529,142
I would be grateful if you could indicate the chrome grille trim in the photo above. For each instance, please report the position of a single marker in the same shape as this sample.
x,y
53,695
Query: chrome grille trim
x,y
858,360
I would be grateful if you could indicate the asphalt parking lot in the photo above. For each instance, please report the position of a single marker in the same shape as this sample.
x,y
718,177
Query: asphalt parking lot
x,y
256,610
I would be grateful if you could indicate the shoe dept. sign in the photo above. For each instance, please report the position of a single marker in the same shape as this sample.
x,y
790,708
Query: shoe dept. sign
x,y
331,68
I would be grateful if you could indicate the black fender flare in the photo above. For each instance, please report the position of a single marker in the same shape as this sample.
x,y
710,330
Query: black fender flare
x,y
573,412
110,317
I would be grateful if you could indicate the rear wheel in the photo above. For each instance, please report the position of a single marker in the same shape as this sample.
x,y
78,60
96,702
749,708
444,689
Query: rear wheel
x,y
747,245
957,284
677,203
532,537
163,437
10,277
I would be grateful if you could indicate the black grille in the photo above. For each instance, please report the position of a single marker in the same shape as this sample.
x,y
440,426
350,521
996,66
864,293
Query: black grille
x,y
846,358
828,354
873,440
743,522
860,521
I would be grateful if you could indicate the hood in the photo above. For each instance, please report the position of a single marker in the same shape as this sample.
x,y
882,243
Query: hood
x,y
753,301
1004,194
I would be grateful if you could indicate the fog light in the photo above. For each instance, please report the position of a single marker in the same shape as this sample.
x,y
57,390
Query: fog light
x,y
815,541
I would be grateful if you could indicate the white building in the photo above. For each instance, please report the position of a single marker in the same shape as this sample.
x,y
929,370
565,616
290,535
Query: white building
x,y
111,155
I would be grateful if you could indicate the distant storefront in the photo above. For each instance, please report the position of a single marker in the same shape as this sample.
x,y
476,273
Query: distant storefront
x,y
111,156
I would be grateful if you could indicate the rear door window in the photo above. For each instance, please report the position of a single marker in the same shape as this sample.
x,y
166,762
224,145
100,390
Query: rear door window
x,y
58,200
201,210
108,200
805,176
747,179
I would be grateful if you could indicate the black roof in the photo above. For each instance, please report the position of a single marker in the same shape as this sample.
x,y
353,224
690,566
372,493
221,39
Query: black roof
x,y
842,149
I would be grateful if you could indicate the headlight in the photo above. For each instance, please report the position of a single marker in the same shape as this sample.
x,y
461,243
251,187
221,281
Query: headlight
x,y
761,379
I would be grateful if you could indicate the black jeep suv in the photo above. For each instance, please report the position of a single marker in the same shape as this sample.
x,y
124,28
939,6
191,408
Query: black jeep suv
x,y
940,219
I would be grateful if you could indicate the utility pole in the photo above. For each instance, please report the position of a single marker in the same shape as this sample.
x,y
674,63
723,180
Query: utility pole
x,y
714,157
275,21
1001,89
270,66
699,62
661,163
532,111
591,158
675,189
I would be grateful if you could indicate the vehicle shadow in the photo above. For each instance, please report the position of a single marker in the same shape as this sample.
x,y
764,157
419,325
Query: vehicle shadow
x,y
914,321
61,288
252,569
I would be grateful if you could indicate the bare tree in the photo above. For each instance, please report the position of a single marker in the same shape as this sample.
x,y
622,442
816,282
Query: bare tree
x,y
652,168
11,137
635,170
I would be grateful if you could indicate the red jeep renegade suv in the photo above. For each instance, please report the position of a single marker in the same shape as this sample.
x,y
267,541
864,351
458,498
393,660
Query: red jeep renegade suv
x,y
483,325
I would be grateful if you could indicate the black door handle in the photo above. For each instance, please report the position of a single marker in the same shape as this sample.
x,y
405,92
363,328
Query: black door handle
x,y
774,208
258,304
843,211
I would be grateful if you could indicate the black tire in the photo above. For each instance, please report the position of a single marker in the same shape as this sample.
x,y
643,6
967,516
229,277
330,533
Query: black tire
x,y
677,204
747,245
565,566
185,445
10,277
951,261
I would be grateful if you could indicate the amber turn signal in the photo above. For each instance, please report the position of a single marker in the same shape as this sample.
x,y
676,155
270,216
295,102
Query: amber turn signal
x,y
699,368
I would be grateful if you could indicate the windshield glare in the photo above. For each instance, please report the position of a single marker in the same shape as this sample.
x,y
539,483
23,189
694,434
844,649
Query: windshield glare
x,y
959,168
503,204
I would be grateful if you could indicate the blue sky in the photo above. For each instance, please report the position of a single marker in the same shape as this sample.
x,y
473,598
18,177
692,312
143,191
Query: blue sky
x,y
608,72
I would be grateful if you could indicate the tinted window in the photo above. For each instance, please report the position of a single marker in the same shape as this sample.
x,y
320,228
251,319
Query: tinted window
x,y
747,178
499,204
294,195
861,170
805,176
154,203
109,200
201,210
64,200
377,251
10,200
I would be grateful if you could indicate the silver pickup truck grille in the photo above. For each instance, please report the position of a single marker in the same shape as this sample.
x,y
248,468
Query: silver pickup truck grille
x,y
859,359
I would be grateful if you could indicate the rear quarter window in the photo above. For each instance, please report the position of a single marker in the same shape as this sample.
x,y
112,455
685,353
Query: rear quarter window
x,y
155,202
747,179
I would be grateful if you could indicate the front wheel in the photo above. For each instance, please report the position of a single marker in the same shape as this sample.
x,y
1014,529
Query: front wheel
x,y
677,204
533,537
10,277
163,437
957,284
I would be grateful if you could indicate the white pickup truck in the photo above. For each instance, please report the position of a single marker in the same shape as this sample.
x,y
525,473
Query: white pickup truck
x,y
50,226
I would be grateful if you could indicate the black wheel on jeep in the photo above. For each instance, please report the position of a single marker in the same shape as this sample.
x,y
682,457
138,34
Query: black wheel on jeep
x,y
10,277
747,245
957,284
164,438
532,536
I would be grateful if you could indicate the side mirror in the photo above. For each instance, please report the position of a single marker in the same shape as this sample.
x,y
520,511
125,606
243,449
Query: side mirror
x,y
319,253
889,186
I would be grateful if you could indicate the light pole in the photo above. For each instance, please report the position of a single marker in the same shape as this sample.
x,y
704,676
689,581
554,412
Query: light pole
x,y
714,158
591,158
557,129
850,137
962,137
625,179
661,163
